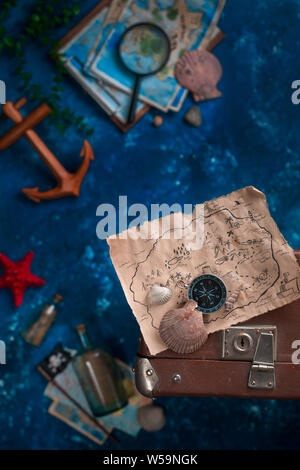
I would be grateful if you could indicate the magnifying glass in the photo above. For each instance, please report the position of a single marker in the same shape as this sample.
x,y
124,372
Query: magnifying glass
x,y
144,49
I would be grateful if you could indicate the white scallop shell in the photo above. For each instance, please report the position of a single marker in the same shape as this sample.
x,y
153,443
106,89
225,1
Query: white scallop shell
x,y
158,295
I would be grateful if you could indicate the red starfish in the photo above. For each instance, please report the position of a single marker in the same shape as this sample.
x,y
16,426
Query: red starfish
x,y
17,276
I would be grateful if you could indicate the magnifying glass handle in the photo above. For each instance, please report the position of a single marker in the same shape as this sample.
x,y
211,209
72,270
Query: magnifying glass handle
x,y
134,99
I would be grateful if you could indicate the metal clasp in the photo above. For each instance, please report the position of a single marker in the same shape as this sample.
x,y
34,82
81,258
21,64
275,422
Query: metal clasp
x,y
256,344
262,371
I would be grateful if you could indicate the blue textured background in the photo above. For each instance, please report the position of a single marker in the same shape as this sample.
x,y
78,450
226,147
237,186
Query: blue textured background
x,y
249,137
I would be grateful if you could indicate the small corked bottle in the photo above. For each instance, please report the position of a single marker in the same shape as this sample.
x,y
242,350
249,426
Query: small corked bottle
x,y
100,377
37,331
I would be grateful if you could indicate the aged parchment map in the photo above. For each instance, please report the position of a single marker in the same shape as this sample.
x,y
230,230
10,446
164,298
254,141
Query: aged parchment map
x,y
241,245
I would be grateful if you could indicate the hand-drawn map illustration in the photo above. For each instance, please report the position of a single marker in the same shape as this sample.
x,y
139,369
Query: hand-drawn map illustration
x,y
242,246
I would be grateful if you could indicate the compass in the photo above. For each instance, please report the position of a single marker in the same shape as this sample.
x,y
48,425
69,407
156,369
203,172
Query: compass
x,y
209,292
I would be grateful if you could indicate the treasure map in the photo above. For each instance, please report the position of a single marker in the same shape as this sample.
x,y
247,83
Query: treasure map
x,y
240,243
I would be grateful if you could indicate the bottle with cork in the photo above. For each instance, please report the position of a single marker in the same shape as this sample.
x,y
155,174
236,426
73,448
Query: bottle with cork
x,y
37,331
100,377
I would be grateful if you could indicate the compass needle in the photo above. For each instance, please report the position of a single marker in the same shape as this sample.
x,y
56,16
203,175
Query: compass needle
x,y
209,291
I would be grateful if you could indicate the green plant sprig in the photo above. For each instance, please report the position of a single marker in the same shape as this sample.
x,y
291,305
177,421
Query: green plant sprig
x,y
40,27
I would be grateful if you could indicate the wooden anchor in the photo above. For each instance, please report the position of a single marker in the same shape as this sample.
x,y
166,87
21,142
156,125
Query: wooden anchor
x,y
68,184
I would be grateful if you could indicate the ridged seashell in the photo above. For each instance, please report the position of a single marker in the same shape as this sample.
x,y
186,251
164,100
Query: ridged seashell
x,y
232,299
199,72
158,295
182,329
193,116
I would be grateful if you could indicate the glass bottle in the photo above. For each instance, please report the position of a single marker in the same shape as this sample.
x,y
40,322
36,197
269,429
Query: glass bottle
x,y
100,377
38,329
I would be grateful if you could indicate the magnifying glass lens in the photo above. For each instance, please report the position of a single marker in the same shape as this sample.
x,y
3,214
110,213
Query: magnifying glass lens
x,y
144,49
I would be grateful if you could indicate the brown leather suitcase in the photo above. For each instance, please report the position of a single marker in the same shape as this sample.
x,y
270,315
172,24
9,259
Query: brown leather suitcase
x,y
256,359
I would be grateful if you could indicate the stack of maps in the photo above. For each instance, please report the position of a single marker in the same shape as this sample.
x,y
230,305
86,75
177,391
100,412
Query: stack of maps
x,y
90,51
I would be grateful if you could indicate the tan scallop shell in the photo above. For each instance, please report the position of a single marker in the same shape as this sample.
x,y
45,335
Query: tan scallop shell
x,y
182,329
158,295
199,72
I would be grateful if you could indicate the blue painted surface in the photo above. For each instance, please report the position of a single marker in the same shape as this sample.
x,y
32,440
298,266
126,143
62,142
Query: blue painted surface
x,y
250,136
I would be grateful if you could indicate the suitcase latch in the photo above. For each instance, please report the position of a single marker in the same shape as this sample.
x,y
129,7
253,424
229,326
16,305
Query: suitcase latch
x,y
256,343
262,371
